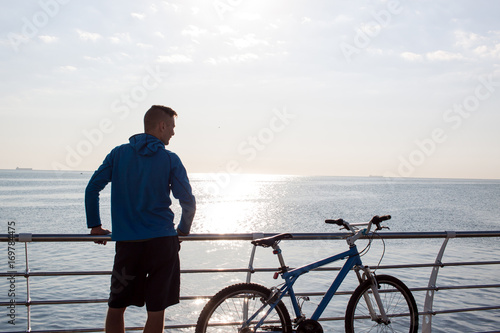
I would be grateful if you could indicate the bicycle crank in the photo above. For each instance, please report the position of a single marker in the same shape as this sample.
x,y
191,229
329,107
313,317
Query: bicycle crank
x,y
309,326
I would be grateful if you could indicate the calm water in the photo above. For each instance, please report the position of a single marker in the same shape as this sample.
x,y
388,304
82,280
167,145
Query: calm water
x,y
49,202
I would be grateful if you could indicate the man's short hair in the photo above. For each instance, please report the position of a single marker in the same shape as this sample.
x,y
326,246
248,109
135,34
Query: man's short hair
x,y
156,114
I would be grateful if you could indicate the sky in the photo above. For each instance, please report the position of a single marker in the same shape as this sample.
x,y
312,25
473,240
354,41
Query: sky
x,y
333,88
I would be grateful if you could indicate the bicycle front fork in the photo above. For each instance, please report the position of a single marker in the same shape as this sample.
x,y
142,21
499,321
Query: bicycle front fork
x,y
365,274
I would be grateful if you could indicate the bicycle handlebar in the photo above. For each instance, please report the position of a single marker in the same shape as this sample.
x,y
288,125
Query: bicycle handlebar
x,y
350,226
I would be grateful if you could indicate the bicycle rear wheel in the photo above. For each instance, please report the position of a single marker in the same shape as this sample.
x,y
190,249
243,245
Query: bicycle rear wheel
x,y
398,303
230,307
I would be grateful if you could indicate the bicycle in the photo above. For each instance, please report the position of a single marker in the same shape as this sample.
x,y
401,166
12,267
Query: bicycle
x,y
381,303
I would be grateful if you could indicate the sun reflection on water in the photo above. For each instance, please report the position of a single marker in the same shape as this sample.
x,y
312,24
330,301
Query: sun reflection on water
x,y
235,205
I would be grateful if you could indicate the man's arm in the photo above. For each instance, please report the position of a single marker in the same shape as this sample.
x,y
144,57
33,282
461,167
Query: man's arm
x,y
187,217
181,189
98,181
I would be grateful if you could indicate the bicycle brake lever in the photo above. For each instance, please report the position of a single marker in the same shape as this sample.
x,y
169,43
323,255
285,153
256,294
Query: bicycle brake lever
x,y
380,227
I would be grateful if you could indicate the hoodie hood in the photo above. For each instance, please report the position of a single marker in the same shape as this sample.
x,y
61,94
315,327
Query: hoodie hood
x,y
146,144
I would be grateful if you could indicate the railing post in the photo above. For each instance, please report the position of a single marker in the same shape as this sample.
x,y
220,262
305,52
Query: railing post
x,y
429,297
26,238
252,257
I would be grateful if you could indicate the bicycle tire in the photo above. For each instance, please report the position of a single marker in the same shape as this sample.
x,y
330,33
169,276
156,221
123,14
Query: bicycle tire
x,y
398,303
227,307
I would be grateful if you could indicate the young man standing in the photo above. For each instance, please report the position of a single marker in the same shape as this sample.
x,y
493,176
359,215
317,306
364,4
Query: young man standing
x,y
142,173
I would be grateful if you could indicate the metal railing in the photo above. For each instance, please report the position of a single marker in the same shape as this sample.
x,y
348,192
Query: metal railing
x,y
427,312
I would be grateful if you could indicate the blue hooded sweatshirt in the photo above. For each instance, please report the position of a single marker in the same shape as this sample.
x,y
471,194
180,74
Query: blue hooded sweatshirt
x,y
142,174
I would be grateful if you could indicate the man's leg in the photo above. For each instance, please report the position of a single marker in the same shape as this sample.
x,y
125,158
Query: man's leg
x,y
155,322
114,320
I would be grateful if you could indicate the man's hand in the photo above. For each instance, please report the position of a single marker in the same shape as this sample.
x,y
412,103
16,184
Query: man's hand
x,y
99,230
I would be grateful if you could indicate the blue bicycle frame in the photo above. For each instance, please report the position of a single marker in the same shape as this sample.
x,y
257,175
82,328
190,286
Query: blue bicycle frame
x,y
291,276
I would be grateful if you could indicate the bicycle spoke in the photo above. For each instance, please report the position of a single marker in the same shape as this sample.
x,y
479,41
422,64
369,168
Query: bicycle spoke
x,y
228,312
398,304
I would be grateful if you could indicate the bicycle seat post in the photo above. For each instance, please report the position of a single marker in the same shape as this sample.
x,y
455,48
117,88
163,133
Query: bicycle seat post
x,y
273,242
277,251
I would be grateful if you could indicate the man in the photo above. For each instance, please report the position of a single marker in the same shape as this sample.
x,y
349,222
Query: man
x,y
142,173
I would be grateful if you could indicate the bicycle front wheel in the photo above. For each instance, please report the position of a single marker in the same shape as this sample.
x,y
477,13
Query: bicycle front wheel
x,y
398,303
231,307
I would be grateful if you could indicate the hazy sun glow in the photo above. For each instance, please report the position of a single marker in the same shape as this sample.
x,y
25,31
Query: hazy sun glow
x,y
337,88
229,208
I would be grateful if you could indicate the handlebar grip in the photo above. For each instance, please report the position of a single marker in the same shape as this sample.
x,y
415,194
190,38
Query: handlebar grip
x,y
384,218
377,219
337,222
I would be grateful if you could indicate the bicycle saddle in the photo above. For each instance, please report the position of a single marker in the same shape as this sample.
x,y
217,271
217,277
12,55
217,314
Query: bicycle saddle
x,y
270,241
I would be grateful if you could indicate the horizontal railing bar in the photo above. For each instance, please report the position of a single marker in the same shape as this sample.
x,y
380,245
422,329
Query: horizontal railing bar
x,y
477,286
448,264
486,308
251,236
29,274
246,270
190,298
76,330
58,302
483,308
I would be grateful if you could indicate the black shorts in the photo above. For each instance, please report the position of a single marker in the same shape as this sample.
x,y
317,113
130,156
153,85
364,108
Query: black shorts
x,y
146,271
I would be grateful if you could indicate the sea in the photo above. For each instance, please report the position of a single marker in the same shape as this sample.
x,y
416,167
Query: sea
x,y
52,202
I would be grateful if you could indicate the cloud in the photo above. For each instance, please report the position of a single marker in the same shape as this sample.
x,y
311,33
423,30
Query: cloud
x,y
139,16
413,57
468,45
153,8
246,16
88,36
237,58
468,39
247,41
482,46
167,5
48,39
226,30
103,60
488,51
118,38
144,46
175,58
441,55
342,18
67,69
193,31
195,10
